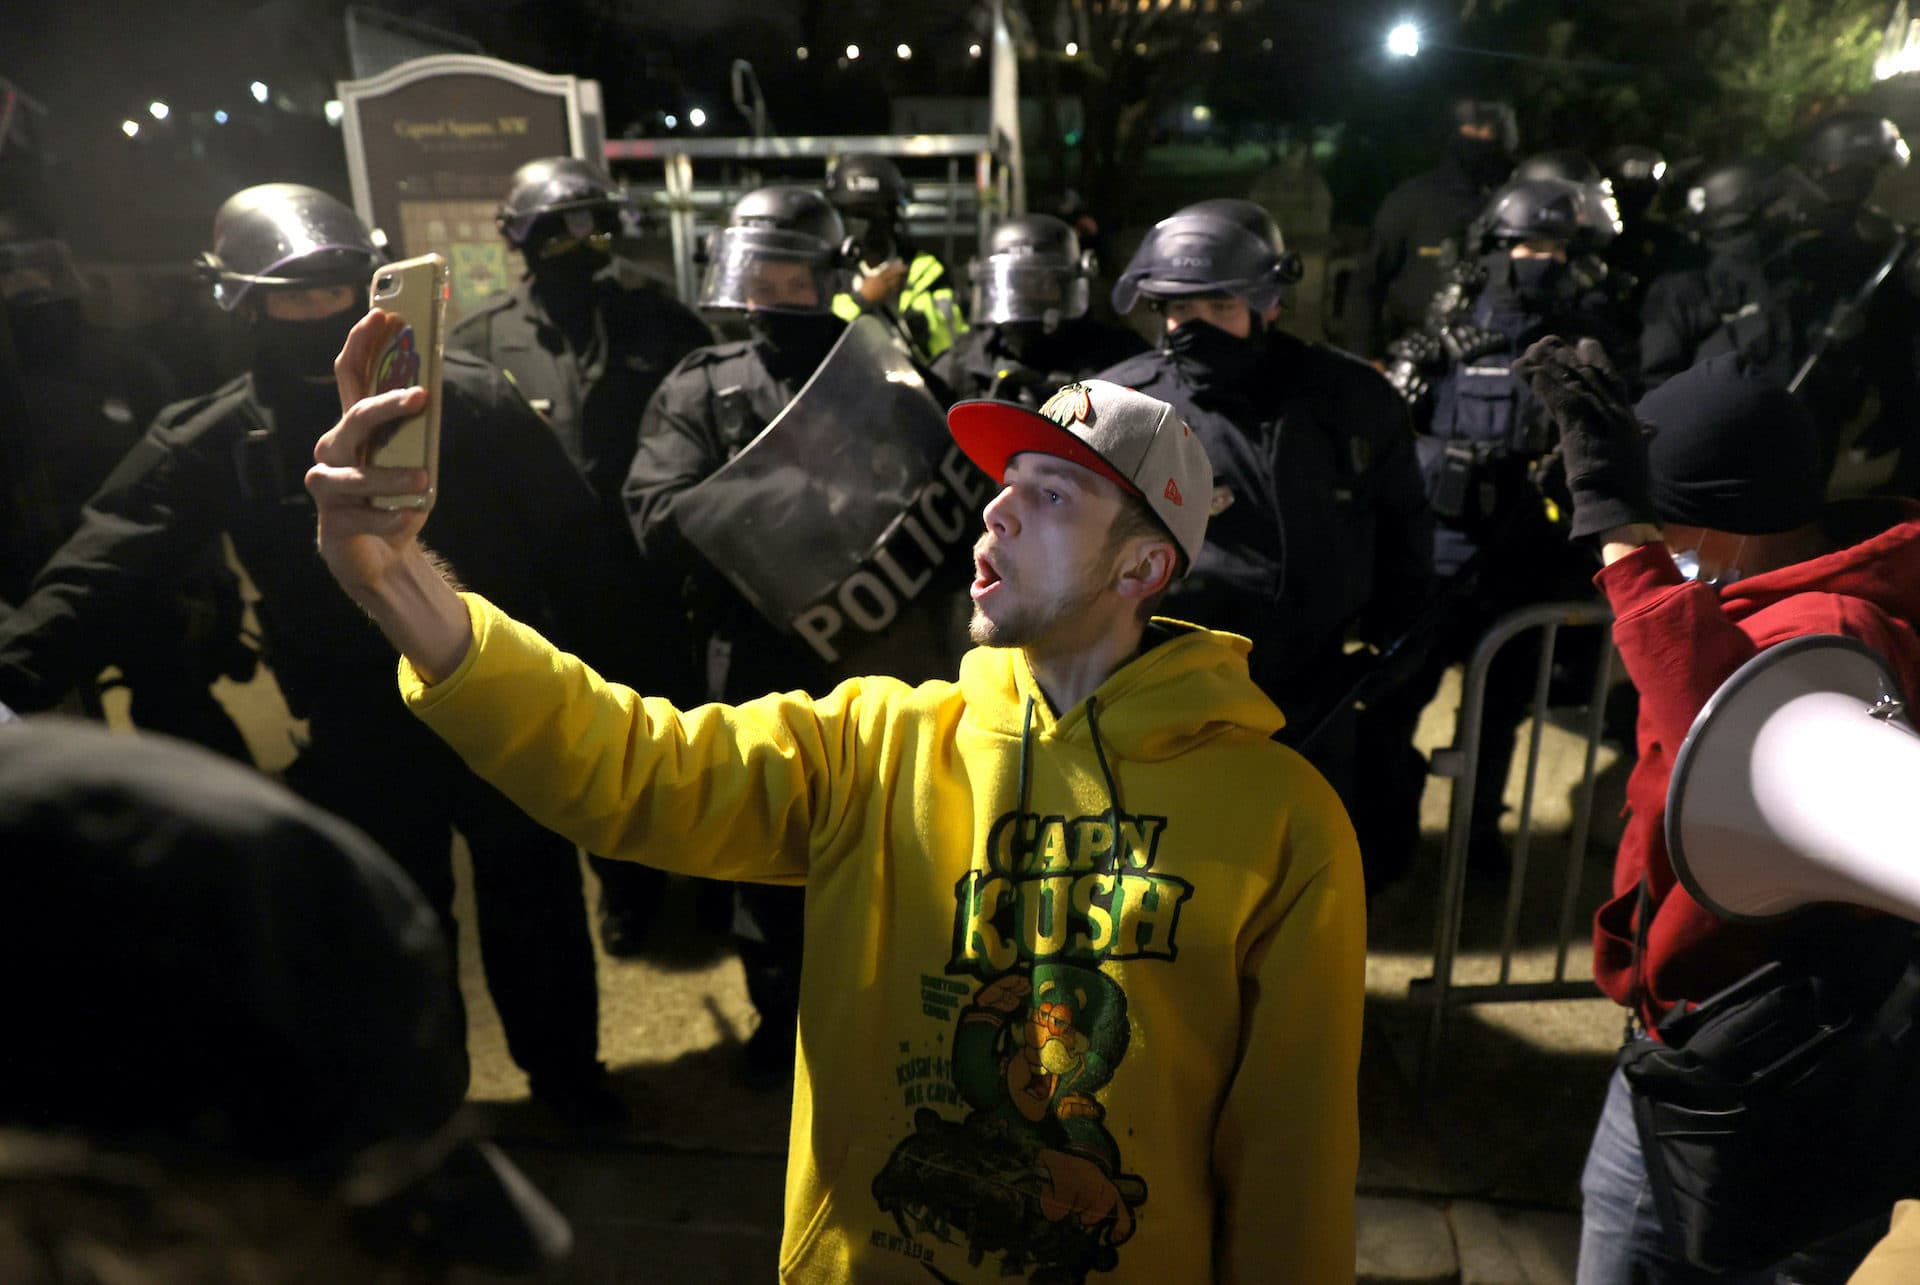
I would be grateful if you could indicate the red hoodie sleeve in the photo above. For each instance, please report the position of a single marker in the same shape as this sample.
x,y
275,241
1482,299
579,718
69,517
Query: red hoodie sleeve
x,y
1676,642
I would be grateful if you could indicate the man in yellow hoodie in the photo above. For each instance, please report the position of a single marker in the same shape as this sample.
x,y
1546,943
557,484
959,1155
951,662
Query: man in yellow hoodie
x,y
1085,947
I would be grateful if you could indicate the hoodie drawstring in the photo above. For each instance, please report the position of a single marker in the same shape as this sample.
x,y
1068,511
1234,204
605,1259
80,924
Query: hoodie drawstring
x,y
1113,790
1026,744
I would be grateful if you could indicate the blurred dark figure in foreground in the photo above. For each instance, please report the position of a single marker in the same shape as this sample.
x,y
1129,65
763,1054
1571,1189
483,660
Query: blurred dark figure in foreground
x,y
586,338
86,396
1419,229
1031,332
293,265
1319,531
231,1058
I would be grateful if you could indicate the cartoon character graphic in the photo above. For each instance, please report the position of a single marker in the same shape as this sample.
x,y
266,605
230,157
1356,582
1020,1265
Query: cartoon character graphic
x,y
398,366
1032,1175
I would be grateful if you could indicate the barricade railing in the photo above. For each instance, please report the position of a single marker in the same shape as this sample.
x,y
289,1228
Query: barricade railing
x,y
951,213
1461,763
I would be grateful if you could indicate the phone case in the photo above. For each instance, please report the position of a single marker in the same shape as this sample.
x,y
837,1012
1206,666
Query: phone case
x,y
416,291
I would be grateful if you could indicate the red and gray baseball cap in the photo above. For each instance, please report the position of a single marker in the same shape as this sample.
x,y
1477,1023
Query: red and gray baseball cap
x,y
1135,441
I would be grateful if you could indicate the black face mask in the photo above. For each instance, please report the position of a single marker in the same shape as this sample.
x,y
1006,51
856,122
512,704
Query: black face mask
x,y
791,345
1483,159
1540,280
572,269
1210,357
301,349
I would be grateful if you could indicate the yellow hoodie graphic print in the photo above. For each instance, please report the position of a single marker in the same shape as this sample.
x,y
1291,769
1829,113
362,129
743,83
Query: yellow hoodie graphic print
x,y
1081,996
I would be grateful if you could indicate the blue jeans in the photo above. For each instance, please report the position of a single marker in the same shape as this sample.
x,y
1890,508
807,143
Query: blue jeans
x,y
1621,1242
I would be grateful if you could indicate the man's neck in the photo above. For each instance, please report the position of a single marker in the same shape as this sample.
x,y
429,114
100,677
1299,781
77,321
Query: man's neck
x,y
1068,676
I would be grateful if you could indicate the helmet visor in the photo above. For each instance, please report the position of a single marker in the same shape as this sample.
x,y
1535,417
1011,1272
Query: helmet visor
x,y
1009,289
769,270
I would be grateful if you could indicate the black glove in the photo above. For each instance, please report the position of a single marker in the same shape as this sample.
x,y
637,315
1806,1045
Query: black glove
x,y
1601,443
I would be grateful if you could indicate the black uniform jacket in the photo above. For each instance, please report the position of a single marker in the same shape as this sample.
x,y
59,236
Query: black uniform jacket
x,y
1319,520
593,400
1417,235
512,517
988,361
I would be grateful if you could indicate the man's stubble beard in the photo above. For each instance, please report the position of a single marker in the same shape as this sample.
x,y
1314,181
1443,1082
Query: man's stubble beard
x,y
1032,622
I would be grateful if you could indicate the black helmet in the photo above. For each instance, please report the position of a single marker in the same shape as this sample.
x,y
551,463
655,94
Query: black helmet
x,y
773,231
1853,140
1582,215
1034,271
1635,164
868,183
1734,194
1223,246
556,187
1490,113
1562,163
285,234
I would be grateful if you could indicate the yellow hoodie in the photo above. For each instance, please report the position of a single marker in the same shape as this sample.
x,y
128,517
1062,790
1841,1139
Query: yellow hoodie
x,y
1026,1051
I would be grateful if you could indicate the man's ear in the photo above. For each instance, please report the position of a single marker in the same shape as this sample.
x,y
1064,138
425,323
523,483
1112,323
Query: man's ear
x,y
1146,569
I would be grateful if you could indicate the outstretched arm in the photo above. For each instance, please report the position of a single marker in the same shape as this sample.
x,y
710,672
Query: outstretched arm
x,y
376,553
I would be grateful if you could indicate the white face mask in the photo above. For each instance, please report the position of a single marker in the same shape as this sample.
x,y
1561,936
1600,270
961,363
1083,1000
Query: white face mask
x,y
1687,561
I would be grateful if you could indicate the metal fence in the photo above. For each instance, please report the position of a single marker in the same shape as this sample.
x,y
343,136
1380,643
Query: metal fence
x,y
1461,763
959,185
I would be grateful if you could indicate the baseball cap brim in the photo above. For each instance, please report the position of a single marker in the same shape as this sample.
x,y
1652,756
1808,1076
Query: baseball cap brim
x,y
991,433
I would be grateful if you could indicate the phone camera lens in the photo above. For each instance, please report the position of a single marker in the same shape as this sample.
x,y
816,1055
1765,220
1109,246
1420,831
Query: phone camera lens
x,y
386,283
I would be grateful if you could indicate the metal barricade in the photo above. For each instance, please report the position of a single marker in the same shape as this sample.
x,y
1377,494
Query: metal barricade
x,y
952,212
1461,762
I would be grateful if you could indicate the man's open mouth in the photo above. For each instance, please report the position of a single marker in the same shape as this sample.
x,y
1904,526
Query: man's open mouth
x,y
986,577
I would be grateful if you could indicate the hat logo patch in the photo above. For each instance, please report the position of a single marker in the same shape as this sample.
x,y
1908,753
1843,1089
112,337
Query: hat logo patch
x,y
1173,492
1073,403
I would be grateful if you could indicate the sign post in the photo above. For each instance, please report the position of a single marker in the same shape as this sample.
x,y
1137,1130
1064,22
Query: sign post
x,y
432,145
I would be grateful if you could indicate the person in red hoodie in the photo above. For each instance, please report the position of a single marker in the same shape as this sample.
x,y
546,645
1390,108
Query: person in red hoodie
x,y
1707,503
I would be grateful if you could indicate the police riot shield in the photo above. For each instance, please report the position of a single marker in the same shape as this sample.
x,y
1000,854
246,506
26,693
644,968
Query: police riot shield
x,y
848,522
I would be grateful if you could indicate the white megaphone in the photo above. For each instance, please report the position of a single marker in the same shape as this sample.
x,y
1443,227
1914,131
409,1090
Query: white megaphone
x,y
1799,782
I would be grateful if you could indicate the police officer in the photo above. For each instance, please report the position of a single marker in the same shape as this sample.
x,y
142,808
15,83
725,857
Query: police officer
x,y
1844,153
1031,332
86,396
1420,227
293,265
586,339
1319,523
893,276
1494,546
777,263
1748,296
1649,246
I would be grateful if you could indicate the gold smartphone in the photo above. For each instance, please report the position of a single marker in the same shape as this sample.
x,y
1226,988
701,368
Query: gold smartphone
x,y
415,290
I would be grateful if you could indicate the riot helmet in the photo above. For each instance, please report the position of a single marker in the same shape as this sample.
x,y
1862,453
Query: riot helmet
x,y
1581,216
871,195
286,235
558,204
1034,271
1636,172
784,250
1488,114
1845,150
1563,163
1224,246
1733,195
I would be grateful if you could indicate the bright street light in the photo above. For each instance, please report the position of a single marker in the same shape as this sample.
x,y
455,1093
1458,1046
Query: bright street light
x,y
1073,49
801,53
903,52
973,51
673,122
1404,41
130,127
220,116
696,118
158,110
334,110
259,89
853,51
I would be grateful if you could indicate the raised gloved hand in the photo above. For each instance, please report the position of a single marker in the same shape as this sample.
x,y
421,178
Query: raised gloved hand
x,y
1602,445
